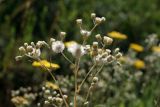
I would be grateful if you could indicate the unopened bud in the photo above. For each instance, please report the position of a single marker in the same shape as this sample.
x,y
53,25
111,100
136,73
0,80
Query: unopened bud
x,y
95,45
52,40
22,50
95,79
62,35
98,20
107,40
93,15
29,48
103,19
17,58
79,22
118,55
98,37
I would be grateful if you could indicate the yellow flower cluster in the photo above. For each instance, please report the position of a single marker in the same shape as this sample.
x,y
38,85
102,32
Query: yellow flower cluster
x,y
51,85
156,48
46,64
136,47
117,35
139,64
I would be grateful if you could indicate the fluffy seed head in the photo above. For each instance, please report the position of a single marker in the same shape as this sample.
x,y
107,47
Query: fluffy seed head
x,y
58,47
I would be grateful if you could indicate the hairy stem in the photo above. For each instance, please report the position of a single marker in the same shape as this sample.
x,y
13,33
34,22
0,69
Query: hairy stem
x,y
67,58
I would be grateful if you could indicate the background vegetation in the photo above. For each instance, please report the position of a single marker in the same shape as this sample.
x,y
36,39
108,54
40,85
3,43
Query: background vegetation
x,y
31,20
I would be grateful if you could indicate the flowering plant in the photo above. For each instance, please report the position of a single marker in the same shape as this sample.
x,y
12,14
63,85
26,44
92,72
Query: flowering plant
x,y
98,54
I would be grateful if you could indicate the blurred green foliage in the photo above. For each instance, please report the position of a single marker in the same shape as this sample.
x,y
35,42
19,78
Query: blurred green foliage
x,y
28,20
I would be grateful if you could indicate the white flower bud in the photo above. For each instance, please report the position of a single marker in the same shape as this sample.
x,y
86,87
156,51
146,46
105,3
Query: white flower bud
x,y
107,40
79,21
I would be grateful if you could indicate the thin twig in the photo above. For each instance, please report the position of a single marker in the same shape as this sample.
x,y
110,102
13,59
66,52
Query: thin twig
x,y
99,70
79,88
67,58
94,27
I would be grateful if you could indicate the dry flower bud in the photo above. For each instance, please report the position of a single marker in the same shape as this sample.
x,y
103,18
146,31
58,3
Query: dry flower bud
x,y
17,58
65,96
22,50
98,20
103,19
98,37
116,50
118,55
25,44
107,40
110,58
29,48
79,22
59,100
93,15
95,79
46,102
100,51
95,45
108,51
32,44
47,91
52,40
62,35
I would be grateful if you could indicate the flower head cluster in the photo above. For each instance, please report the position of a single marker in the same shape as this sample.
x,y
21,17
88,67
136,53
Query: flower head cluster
x,y
32,50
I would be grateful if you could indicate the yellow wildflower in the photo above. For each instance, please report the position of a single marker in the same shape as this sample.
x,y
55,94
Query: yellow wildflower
x,y
117,35
136,47
51,85
139,64
46,64
70,43
156,48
